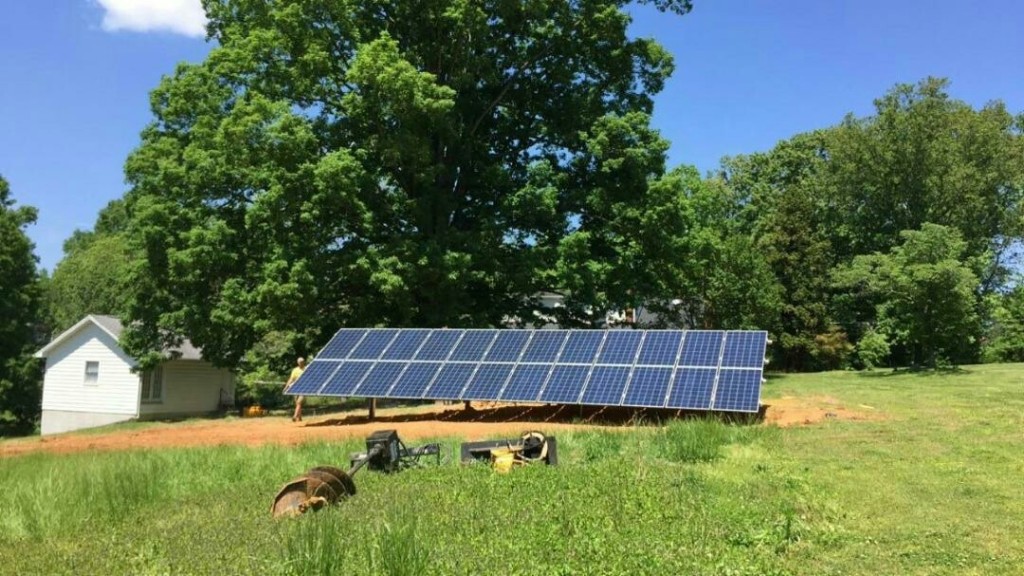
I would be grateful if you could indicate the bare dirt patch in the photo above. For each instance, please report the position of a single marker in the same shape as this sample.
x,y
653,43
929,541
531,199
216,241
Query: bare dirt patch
x,y
792,411
412,423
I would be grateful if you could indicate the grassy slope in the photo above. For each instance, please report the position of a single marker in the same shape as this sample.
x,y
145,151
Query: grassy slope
x,y
934,488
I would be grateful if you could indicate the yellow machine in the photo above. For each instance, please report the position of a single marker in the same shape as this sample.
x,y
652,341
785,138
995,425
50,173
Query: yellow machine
x,y
503,455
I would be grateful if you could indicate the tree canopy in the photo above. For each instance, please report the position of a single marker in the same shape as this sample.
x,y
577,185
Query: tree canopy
x,y
428,163
93,277
19,301
820,200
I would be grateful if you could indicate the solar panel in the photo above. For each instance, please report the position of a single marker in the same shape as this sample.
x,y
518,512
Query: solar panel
x,y
563,386
439,345
702,348
374,344
648,387
661,348
342,344
678,369
473,346
738,391
345,379
526,383
380,378
606,385
414,381
450,381
744,350
620,347
405,345
487,382
545,346
508,346
313,378
581,347
692,388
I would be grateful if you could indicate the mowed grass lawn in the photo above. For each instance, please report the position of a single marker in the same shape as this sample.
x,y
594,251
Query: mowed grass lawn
x,y
934,485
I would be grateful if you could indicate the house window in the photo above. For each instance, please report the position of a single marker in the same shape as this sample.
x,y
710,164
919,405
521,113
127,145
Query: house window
x,y
92,373
153,385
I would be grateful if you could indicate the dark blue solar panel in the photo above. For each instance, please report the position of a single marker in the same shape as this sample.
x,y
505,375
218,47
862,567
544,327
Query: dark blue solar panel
x,y
557,366
313,378
660,348
405,345
380,379
620,347
526,382
738,390
564,385
414,381
345,380
374,343
342,343
450,382
438,345
508,346
648,386
473,345
606,385
702,348
545,346
581,347
692,388
487,382
744,350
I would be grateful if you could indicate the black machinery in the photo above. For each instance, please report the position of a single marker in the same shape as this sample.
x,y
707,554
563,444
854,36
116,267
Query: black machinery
x,y
323,485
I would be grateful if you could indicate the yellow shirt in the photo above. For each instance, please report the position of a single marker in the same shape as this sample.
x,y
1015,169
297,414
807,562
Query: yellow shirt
x,y
296,372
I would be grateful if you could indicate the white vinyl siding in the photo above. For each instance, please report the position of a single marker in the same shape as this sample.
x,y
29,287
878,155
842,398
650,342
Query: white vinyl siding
x,y
116,389
191,387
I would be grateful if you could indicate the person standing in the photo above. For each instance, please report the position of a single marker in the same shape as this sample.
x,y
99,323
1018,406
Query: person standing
x,y
300,366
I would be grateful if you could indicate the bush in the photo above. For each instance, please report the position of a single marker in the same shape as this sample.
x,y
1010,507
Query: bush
x,y
873,349
261,387
832,349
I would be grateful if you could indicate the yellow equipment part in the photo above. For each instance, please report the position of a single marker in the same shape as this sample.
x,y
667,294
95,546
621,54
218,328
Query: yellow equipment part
x,y
502,459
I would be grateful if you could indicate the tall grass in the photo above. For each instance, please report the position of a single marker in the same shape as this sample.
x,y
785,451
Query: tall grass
x,y
929,487
703,440
316,546
400,550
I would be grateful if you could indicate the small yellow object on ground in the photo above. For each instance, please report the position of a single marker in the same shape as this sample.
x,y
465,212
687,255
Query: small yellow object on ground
x,y
502,459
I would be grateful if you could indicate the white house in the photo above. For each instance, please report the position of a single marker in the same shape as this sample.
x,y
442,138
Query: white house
x,y
90,381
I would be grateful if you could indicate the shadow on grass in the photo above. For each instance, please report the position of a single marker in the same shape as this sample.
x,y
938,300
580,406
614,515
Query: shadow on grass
x,y
598,415
889,373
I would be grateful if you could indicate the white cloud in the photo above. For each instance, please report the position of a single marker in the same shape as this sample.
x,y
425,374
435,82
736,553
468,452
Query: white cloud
x,y
177,16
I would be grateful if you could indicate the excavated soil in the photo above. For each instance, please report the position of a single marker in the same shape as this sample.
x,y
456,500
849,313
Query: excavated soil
x,y
412,423
793,411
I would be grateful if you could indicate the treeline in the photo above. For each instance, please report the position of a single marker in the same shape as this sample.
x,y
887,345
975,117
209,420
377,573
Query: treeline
x,y
354,167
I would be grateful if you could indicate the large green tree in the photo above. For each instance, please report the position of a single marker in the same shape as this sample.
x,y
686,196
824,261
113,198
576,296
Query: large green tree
x,y
925,294
93,277
821,199
710,266
926,157
785,214
434,162
20,376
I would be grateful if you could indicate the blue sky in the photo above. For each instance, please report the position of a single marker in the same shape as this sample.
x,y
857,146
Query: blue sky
x,y
75,77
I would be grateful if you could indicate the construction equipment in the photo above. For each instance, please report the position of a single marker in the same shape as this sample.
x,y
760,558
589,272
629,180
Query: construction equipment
x,y
324,485
502,455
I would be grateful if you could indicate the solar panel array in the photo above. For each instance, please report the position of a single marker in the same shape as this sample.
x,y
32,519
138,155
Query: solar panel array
x,y
678,369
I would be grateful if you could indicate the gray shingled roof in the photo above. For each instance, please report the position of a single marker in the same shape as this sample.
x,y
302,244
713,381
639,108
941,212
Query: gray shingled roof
x,y
115,327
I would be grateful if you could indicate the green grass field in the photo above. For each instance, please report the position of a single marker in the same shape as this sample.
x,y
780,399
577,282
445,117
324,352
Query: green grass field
x,y
935,486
